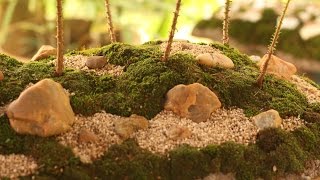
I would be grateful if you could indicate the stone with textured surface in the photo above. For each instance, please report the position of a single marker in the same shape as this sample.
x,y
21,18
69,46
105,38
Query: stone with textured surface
x,y
278,67
125,128
43,109
96,62
215,59
86,136
178,132
267,119
193,101
44,52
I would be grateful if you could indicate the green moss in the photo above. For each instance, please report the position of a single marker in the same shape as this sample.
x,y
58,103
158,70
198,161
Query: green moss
x,y
129,161
231,156
49,154
188,163
307,140
124,54
283,150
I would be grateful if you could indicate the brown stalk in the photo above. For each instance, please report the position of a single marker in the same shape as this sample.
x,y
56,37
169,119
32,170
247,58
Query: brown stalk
x,y
272,46
60,43
110,24
225,30
173,29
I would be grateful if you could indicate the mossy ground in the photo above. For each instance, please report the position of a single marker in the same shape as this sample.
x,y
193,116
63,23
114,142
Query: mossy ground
x,y
260,32
141,89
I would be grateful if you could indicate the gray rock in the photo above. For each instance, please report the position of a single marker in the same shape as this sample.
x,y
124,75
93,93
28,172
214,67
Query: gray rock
x,y
96,62
267,119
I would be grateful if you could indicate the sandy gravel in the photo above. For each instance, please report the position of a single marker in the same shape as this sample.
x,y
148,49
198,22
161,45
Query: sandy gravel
x,y
78,62
13,166
224,125
312,93
101,124
187,47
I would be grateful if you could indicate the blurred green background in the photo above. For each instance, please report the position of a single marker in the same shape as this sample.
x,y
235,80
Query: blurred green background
x,y
28,24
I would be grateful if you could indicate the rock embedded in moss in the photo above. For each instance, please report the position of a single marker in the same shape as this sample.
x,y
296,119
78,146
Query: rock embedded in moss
x,y
215,60
278,67
44,52
96,62
193,101
42,109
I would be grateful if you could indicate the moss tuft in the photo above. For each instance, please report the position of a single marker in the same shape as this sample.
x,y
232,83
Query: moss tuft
x,y
129,161
188,163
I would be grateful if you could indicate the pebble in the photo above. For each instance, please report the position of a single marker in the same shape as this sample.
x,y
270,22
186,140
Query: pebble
x,y
79,62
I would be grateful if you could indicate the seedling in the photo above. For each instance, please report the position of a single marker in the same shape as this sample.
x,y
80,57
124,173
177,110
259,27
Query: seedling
x,y
172,31
110,24
225,30
272,46
60,43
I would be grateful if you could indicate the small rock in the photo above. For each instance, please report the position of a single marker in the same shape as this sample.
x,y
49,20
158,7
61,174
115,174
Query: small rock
x,y
96,62
255,59
43,109
178,133
86,136
267,119
193,101
278,67
44,52
125,128
215,59
1,76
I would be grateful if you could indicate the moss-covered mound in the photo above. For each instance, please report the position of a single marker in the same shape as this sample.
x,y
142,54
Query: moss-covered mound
x,y
141,89
260,32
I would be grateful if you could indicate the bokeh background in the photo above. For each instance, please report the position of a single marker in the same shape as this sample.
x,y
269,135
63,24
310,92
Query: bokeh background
x,y
25,25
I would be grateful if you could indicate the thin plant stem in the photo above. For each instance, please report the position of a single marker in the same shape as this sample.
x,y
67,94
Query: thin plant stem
x,y
225,30
110,24
272,46
172,31
60,41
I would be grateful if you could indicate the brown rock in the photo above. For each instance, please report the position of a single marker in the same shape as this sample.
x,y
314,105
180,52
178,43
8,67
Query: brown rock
x,y
86,136
267,119
96,62
178,132
215,59
125,128
42,109
278,67
193,101
1,76
44,52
